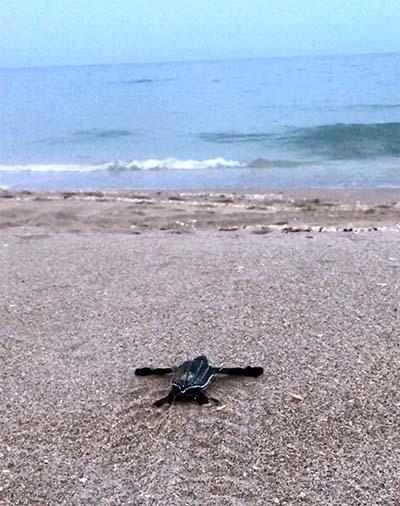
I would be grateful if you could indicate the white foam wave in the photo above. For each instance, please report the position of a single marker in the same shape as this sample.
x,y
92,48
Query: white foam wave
x,y
175,163
37,167
150,164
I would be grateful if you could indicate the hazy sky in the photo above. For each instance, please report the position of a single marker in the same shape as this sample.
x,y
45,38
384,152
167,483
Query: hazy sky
x,y
62,32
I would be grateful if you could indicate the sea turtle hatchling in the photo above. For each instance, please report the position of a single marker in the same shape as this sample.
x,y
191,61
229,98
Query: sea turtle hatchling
x,y
190,379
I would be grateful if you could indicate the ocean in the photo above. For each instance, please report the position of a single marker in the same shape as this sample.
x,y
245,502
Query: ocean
x,y
306,122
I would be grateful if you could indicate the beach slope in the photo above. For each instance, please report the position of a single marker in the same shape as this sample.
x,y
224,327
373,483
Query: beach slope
x,y
309,290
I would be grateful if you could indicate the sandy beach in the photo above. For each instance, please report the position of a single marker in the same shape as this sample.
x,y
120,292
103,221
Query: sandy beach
x,y
303,283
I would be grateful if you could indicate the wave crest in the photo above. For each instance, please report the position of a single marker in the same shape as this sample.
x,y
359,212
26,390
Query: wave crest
x,y
150,164
175,163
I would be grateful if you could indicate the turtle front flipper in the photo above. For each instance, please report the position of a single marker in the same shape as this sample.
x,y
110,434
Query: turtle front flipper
x,y
242,371
158,371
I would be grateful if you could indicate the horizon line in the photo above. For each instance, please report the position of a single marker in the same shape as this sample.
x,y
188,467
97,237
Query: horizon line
x,y
199,60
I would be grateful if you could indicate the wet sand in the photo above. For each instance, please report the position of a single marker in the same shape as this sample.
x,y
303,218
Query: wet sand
x,y
93,285
180,212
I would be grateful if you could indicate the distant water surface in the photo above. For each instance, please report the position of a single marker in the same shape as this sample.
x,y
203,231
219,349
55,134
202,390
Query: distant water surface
x,y
282,122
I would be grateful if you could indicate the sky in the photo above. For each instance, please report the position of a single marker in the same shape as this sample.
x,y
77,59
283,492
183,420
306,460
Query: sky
x,y
74,32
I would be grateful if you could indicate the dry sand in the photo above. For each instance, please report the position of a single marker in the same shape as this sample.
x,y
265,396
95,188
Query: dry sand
x,y
81,308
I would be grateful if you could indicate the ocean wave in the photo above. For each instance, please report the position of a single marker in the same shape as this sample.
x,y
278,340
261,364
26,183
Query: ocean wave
x,y
262,163
347,140
166,164
175,163
336,141
235,138
150,164
50,167
84,136
130,82
373,106
97,133
136,81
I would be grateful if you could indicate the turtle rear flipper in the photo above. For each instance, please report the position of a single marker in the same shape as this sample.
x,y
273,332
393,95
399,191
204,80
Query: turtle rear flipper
x,y
202,398
168,399
161,402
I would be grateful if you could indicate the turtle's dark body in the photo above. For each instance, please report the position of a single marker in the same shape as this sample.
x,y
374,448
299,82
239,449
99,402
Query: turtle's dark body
x,y
190,379
193,374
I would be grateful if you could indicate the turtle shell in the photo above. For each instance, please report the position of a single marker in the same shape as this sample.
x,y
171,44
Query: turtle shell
x,y
193,374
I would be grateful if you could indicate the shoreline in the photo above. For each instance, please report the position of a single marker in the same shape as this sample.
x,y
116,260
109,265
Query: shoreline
x,y
131,211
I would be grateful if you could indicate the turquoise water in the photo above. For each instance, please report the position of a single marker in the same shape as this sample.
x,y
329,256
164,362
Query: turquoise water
x,y
294,122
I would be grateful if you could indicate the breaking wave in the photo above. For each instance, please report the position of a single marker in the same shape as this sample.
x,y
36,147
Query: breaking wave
x,y
175,163
158,164
150,164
